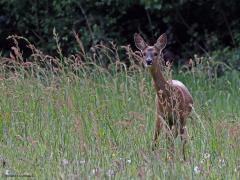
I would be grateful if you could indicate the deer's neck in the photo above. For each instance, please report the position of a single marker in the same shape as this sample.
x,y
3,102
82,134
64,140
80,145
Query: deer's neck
x,y
160,83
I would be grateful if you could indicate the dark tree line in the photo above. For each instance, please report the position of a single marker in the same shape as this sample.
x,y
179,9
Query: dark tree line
x,y
192,25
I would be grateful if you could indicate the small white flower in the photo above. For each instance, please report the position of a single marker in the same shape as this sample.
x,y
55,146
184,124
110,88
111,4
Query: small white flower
x,y
197,170
202,161
164,171
129,161
95,171
206,156
237,169
221,163
110,172
82,162
65,162
7,172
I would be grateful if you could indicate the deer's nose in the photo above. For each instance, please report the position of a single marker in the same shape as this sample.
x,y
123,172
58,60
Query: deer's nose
x,y
149,61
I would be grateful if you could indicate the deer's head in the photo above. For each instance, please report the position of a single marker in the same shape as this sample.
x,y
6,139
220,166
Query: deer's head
x,y
150,53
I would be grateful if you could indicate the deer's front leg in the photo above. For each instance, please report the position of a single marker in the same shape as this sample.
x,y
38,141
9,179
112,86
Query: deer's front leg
x,y
158,127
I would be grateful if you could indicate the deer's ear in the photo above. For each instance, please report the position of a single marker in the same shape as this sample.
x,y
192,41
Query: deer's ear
x,y
139,42
161,42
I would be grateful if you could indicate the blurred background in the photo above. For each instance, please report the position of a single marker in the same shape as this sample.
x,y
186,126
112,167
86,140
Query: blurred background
x,y
203,27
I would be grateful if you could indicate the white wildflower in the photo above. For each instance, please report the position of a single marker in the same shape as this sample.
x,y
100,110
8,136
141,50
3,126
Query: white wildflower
x,y
110,172
65,162
206,156
129,161
197,170
221,163
164,171
202,161
7,172
237,168
95,171
82,162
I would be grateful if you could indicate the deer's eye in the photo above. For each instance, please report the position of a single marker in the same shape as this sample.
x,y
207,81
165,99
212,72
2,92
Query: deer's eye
x,y
155,54
144,54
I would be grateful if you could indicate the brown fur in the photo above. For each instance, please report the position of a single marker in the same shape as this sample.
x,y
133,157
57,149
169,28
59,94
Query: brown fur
x,y
173,100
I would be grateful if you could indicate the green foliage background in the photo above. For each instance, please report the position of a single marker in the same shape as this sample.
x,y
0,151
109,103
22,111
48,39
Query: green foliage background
x,y
191,25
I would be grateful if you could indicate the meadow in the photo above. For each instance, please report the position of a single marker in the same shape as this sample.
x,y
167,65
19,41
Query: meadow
x,y
98,123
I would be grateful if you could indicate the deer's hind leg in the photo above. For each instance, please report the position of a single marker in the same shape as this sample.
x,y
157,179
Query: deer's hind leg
x,y
184,136
183,131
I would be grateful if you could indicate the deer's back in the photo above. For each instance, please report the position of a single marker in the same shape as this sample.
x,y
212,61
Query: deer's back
x,y
182,89
182,101
185,98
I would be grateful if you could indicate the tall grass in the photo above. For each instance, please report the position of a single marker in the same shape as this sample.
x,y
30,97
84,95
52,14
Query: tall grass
x,y
89,122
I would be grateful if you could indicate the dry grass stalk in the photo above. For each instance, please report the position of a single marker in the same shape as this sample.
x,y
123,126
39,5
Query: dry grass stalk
x,y
79,129
136,116
142,173
125,123
95,132
233,130
78,126
83,53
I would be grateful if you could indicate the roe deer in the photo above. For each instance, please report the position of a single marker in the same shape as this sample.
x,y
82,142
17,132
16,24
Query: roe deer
x,y
173,100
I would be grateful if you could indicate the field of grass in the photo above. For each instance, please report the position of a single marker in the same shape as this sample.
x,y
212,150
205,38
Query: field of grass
x,y
100,125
